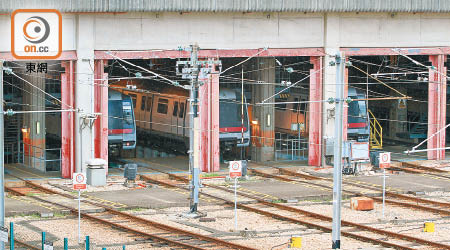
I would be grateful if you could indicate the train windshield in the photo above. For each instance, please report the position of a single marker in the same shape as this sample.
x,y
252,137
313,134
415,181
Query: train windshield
x,y
230,114
120,114
127,115
115,114
357,112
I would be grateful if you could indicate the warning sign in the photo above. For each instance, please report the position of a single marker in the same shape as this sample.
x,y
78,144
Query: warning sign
x,y
385,160
235,169
79,181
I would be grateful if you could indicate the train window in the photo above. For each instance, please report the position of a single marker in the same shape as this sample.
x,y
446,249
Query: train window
x,y
133,97
295,107
281,105
303,106
149,103
181,113
143,100
175,109
162,105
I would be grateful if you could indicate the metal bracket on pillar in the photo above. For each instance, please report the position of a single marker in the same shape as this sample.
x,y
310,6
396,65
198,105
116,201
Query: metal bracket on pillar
x,y
89,119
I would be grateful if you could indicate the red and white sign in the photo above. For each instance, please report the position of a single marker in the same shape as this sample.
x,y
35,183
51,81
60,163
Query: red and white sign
x,y
385,160
79,181
235,169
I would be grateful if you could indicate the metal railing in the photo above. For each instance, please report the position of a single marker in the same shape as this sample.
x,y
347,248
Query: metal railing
x,y
290,148
376,132
40,158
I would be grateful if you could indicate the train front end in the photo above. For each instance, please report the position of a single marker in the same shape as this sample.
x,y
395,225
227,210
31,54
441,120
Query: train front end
x,y
358,118
233,127
121,123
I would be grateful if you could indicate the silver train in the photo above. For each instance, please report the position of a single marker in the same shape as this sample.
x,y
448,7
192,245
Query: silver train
x,y
121,123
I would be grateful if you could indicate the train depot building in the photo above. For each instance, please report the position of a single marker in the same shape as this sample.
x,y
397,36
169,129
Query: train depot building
x,y
267,77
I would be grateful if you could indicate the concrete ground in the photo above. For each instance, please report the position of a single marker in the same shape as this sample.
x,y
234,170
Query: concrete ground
x,y
154,196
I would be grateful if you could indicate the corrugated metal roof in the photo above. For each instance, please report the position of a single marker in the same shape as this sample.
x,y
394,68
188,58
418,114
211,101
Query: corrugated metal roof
x,y
230,5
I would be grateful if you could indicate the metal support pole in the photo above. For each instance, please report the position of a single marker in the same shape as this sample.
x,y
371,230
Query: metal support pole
x,y
66,244
43,240
11,241
79,216
192,114
2,163
235,205
87,243
337,173
384,188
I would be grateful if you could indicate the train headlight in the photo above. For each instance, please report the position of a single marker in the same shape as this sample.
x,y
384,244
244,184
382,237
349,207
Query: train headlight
x,y
255,122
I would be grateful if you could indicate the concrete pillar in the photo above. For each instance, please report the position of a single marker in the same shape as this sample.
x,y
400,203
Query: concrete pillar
x,y
34,123
437,100
101,108
209,121
315,113
264,150
84,91
67,121
331,30
397,114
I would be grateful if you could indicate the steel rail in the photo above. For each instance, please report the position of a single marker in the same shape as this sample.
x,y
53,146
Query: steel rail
x,y
284,207
398,203
436,170
135,218
388,193
285,218
412,169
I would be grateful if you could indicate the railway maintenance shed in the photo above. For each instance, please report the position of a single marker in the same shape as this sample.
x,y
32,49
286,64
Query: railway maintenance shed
x,y
224,124
401,43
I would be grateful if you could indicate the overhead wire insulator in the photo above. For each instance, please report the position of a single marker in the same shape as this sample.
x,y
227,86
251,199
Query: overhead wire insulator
x,y
10,112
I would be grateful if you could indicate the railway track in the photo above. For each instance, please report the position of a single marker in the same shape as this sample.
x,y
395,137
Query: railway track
x,y
309,219
423,170
400,199
139,226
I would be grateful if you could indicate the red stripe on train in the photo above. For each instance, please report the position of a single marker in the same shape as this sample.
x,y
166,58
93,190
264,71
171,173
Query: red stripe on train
x,y
357,125
232,129
120,131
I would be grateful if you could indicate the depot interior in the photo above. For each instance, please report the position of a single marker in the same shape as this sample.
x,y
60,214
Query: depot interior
x,y
34,139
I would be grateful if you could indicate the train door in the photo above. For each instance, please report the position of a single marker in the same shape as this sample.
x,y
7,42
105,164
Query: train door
x,y
140,115
297,117
184,110
148,111
174,116
282,114
160,121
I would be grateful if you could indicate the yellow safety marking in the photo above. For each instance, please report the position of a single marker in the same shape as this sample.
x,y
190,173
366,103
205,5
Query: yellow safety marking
x,y
181,191
40,204
28,172
435,177
258,193
105,202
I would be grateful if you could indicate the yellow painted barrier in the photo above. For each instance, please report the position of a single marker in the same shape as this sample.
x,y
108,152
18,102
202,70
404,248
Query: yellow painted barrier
x,y
428,226
296,242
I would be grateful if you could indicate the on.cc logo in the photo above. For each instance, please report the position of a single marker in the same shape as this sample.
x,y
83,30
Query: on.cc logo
x,y
36,34
37,25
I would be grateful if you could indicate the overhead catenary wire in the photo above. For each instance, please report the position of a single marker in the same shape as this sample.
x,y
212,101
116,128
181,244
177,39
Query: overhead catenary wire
x,y
256,54
146,70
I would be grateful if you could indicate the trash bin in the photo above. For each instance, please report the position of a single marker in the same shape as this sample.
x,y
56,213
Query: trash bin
x,y
375,158
96,172
130,171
